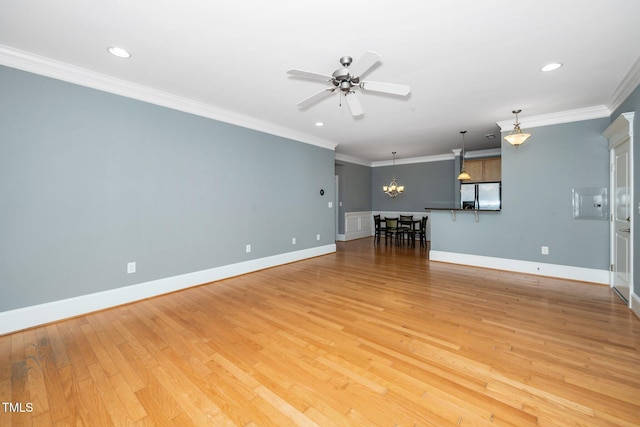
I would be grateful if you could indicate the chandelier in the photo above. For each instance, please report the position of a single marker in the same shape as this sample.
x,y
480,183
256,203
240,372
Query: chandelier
x,y
393,189
517,138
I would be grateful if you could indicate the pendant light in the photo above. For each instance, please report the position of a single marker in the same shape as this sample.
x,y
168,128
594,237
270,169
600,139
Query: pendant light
x,y
393,189
463,173
517,137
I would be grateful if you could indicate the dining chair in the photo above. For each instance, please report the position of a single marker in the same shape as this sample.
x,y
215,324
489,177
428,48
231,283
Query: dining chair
x,y
379,228
405,224
422,232
391,229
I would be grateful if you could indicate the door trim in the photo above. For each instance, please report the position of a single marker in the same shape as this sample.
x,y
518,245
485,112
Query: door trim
x,y
617,133
336,206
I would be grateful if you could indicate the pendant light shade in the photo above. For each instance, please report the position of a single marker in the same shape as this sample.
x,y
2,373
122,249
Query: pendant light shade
x,y
393,190
517,137
463,173
464,176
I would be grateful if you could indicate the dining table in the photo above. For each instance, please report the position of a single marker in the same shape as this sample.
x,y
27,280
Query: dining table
x,y
405,222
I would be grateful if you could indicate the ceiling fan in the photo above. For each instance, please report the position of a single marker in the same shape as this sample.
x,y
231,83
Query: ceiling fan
x,y
347,79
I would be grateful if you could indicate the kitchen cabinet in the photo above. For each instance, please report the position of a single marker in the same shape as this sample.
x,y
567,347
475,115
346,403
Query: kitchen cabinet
x,y
484,170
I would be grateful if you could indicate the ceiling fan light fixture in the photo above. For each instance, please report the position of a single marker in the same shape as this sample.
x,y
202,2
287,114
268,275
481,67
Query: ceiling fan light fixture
x,y
345,86
517,137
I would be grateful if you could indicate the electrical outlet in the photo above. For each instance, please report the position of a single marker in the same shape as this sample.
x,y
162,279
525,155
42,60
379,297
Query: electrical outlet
x,y
544,250
131,267
330,204
293,241
247,248
317,237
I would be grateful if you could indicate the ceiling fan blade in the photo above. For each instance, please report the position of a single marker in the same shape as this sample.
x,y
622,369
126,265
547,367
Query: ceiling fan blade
x,y
392,88
310,75
316,97
354,104
363,64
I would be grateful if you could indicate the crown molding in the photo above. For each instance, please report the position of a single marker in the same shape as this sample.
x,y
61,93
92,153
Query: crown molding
x,y
351,159
491,152
621,128
48,67
412,160
579,114
628,84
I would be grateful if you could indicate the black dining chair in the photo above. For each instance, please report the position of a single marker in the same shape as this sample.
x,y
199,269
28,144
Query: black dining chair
x,y
405,224
422,232
391,229
379,228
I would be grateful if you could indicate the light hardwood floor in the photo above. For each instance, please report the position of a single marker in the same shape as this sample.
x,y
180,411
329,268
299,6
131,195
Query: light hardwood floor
x,y
366,336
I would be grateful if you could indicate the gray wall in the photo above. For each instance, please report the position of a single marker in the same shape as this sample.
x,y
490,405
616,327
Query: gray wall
x,y
632,104
90,181
428,184
354,192
537,183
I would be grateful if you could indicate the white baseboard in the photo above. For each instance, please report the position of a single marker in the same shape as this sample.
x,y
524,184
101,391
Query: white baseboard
x,y
358,235
635,304
528,267
27,317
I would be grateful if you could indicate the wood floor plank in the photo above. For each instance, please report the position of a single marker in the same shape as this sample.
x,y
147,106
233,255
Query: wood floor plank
x,y
369,335
159,405
94,412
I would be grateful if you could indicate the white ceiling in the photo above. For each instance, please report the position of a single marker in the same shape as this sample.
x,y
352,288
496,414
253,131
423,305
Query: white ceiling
x,y
468,62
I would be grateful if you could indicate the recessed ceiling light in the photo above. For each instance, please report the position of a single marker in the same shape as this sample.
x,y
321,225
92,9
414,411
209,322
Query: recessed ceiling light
x,y
551,67
119,52
319,124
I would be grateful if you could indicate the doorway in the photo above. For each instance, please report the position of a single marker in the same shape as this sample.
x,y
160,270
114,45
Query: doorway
x,y
620,138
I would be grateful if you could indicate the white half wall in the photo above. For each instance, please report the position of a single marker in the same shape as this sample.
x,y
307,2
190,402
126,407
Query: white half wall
x,y
360,224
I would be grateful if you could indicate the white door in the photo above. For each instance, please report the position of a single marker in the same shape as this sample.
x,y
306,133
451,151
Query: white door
x,y
620,135
621,224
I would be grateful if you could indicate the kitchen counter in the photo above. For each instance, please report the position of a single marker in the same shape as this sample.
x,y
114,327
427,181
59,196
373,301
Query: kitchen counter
x,y
455,210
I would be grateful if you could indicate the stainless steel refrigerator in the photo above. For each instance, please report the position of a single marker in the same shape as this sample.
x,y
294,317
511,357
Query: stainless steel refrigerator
x,y
486,196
